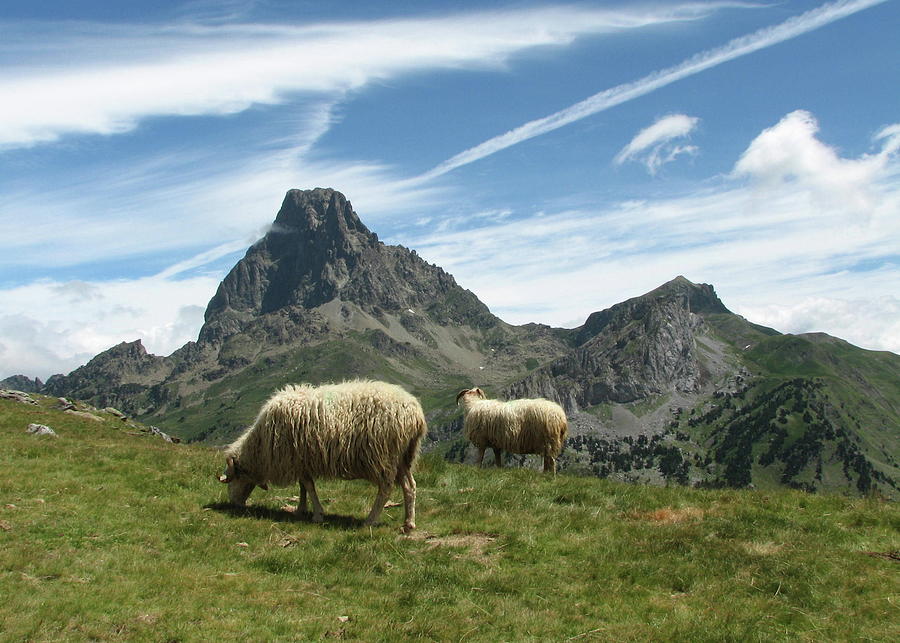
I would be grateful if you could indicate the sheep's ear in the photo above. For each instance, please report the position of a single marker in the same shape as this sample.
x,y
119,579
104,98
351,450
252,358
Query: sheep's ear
x,y
230,470
460,394
478,392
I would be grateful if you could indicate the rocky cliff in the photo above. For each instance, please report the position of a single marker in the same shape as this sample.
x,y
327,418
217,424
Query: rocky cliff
x,y
642,347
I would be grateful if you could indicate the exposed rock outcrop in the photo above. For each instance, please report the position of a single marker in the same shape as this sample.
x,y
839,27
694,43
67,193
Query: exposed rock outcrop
x,y
641,347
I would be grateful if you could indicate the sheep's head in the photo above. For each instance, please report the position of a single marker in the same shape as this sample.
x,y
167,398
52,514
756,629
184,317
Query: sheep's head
x,y
468,395
240,482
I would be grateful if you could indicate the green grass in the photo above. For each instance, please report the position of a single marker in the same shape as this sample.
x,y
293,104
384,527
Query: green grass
x,y
108,534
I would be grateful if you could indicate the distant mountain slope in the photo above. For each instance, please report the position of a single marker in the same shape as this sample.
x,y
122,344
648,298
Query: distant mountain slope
x,y
669,386
821,414
22,383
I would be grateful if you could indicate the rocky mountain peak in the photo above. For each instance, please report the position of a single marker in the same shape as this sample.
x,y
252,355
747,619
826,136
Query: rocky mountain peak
x,y
318,250
322,213
691,297
701,298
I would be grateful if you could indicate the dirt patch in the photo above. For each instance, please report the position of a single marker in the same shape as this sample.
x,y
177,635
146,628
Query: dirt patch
x,y
886,555
474,545
670,516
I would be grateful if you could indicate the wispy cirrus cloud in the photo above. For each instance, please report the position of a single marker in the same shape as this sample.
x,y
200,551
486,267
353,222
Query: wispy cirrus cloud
x,y
655,145
105,79
761,39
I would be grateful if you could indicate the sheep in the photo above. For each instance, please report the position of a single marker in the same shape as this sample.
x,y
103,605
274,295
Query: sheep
x,y
353,430
518,426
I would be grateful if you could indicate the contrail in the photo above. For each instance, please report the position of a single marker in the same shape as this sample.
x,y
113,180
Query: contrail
x,y
766,37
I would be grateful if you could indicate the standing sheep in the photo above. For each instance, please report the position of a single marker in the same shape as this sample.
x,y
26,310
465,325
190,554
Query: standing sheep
x,y
519,426
353,430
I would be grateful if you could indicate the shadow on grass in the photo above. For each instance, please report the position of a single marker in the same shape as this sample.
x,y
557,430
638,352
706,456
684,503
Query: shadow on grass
x,y
262,512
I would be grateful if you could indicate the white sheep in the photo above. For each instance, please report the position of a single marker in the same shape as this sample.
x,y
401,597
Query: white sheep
x,y
518,426
353,430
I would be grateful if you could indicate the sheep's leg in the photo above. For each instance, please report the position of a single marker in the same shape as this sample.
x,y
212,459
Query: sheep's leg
x,y
384,492
498,457
480,456
301,505
310,488
408,483
550,464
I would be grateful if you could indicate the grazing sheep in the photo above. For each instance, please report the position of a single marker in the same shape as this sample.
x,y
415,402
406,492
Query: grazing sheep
x,y
519,426
353,430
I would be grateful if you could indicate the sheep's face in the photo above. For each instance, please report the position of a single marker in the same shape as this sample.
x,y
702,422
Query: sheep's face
x,y
469,395
239,482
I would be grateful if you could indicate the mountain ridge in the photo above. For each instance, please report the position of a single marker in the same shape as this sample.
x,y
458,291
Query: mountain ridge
x,y
320,298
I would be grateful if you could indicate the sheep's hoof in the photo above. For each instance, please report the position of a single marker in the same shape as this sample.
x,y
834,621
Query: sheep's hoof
x,y
408,527
318,518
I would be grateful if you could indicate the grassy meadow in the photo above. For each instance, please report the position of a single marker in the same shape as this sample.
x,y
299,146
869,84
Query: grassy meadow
x,y
108,533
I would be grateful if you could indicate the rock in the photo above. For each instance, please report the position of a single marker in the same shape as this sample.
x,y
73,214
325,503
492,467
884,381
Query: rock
x,y
85,415
164,436
40,429
114,411
317,251
17,396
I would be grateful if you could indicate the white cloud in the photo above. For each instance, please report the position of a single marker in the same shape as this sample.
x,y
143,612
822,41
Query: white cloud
x,y
105,79
654,145
789,152
869,323
51,327
614,96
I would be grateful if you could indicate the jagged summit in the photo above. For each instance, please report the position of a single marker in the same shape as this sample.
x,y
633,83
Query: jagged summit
x,y
318,251
691,297
323,212
701,298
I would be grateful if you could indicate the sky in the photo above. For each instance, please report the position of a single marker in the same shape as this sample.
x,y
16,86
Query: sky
x,y
556,158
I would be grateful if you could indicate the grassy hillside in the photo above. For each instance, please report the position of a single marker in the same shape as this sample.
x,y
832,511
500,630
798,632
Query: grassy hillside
x,y
107,533
217,413
820,414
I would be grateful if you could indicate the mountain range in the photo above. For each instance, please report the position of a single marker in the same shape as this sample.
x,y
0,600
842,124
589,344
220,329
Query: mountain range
x,y
667,387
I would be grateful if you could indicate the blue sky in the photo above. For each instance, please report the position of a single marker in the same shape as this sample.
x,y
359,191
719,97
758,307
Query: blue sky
x,y
555,158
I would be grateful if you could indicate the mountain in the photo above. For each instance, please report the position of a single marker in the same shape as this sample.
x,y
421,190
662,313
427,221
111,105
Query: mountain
x,y
22,383
669,386
672,387
318,298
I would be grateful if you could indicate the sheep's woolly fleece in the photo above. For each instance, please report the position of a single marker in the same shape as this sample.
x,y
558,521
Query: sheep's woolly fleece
x,y
351,430
518,426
